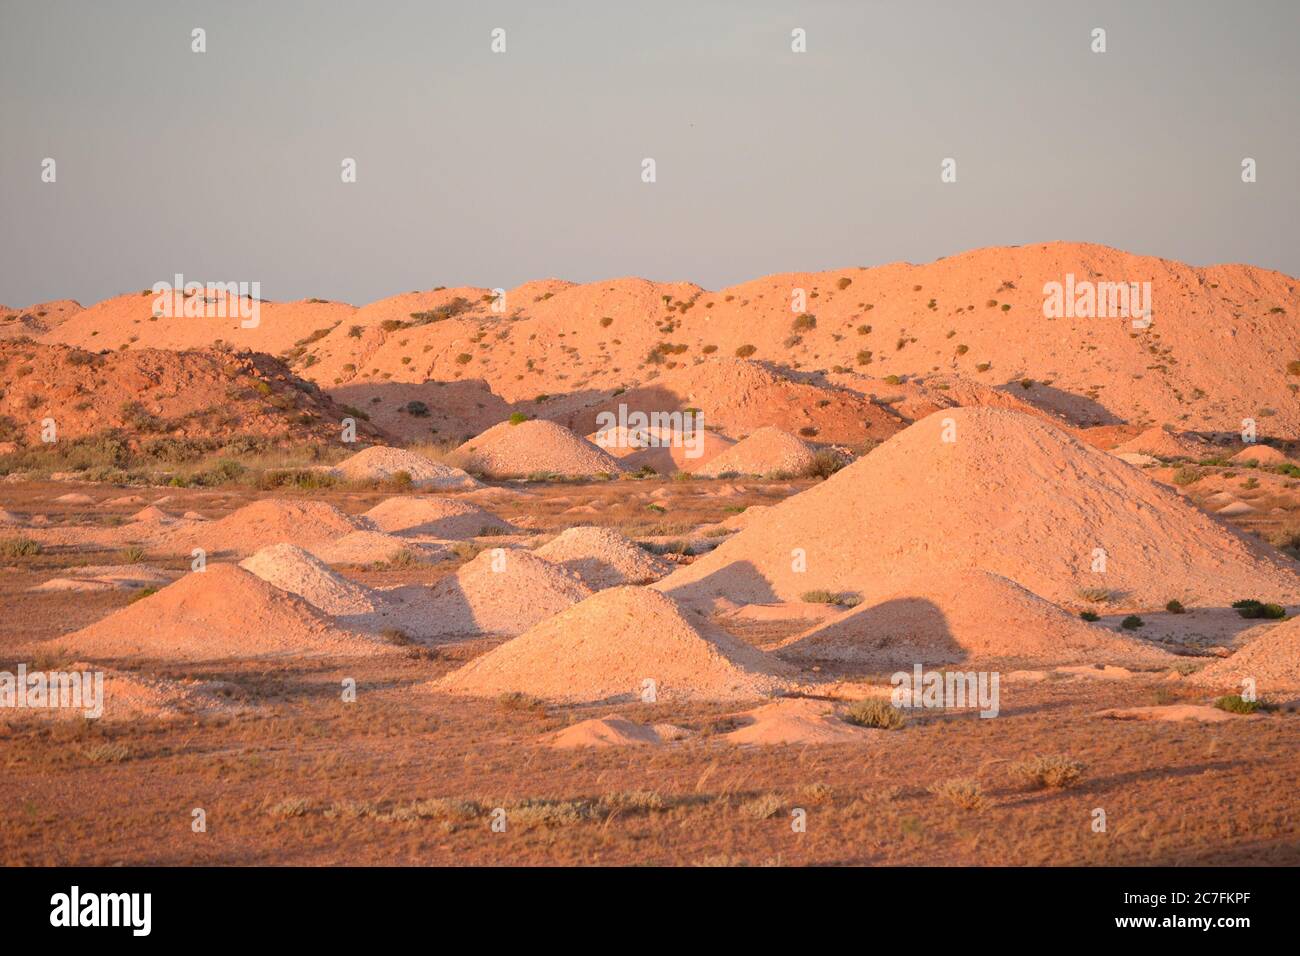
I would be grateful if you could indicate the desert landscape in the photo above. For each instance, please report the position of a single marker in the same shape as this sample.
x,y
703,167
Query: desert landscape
x,y
879,565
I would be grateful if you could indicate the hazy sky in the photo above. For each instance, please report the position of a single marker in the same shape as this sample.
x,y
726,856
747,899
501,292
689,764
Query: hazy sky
x,y
490,169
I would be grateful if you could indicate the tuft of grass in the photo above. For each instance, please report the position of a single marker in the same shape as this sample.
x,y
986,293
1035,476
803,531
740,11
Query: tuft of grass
x,y
110,752
964,793
518,418
290,807
1090,616
19,547
1236,704
131,554
838,598
763,807
516,702
1094,595
395,636
874,712
1050,771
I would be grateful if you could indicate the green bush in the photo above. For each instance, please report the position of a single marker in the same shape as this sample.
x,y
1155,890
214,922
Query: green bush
x,y
1132,623
874,712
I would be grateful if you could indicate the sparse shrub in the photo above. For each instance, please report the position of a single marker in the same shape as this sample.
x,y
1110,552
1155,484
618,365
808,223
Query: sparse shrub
x,y
864,357
1094,595
874,712
893,380
1251,608
19,547
864,330
1175,607
762,807
606,322
808,431
518,418
516,701
290,807
141,594
132,554
395,636
963,349
843,283
1054,771
464,358
825,463
416,409
1132,623
109,752
804,322
1187,475
1293,368
964,793
1090,616
983,366
1235,704
745,351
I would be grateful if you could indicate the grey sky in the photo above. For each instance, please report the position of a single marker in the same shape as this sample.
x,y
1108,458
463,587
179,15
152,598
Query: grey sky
x,y
486,169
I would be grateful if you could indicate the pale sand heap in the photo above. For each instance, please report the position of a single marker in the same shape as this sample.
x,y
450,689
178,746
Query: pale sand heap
x,y
132,696
1261,455
125,500
613,731
951,617
1012,495
381,463
152,514
603,558
75,498
1161,443
532,447
1272,659
607,647
290,568
435,517
1203,713
674,454
221,613
767,451
372,547
502,591
109,577
269,521
1235,509
797,720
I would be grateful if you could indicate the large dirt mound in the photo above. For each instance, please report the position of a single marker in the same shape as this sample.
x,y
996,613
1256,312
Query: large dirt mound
x,y
223,612
510,450
603,558
768,451
740,396
1012,495
950,617
435,517
381,463
290,568
608,646
1162,443
1272,659
1261,455
500,592
262,523
147,393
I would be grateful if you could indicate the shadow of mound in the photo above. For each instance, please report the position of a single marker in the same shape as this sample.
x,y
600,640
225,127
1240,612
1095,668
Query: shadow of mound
x,y
1077,409
739,581
897,633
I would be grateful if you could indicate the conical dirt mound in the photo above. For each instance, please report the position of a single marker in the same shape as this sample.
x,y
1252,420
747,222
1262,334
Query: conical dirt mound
x,y
955,616
502,591
1162,443
603,558
223,612
511,450
1009,494
607,647
435,517
767,451
1272,660
381,463
290,568
262,523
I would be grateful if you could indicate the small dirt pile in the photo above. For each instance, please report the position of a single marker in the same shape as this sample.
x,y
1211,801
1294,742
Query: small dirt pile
x,y
608,646
998,491
1260,455
361,548
266,522
603,558
221,613
797,720
1161,443
768,451
130,696
1272,659
535,447
290,568
502,591
436,518
950,617
381,463
612,731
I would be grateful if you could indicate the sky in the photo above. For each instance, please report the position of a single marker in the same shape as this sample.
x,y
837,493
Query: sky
x,y
490,169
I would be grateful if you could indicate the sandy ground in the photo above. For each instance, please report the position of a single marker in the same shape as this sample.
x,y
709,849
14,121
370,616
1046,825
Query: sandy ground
x,y
293,774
